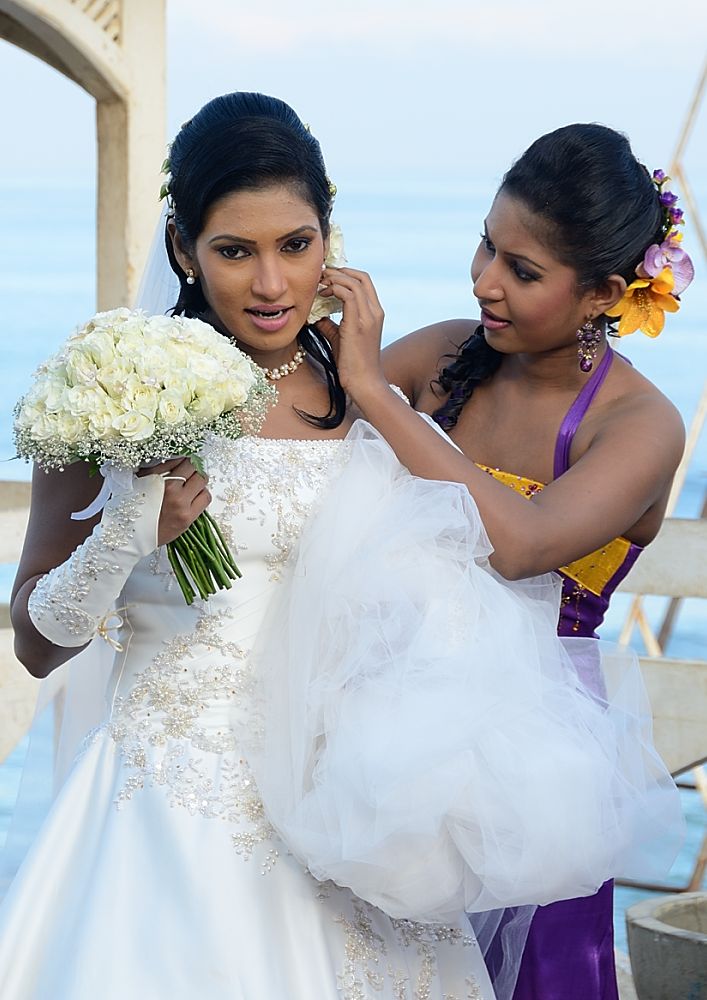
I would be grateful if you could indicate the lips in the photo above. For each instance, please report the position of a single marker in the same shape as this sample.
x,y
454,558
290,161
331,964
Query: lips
x,y
270,318
492,322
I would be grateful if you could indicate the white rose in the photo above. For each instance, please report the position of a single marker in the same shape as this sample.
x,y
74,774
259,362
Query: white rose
x,y
131,342
238,386
100,345
208,405
163,325
30,414
111,317
181,383
144,399
69,428
205,368
44,427
54,394
80,366
152,363
113,377
100,423
171,407
134,426
81,400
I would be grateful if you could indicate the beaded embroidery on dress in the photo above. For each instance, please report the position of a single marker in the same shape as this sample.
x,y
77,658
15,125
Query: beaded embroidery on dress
x,y
157,874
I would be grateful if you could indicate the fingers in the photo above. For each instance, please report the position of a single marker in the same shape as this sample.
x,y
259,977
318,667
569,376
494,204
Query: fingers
x,y
355,289
362,311
182,479
363,281
185,496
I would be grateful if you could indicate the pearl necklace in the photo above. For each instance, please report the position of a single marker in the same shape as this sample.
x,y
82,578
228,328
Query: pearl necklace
x,y
286,369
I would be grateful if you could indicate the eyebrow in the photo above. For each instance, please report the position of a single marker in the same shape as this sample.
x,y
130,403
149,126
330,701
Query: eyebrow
x,y
517,256
253,243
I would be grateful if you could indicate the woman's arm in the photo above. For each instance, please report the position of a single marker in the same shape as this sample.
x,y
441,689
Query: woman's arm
x,y
626,471
53,539
410,361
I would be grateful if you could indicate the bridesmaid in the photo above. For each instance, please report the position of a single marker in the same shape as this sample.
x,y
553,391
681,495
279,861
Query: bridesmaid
x,y
568,451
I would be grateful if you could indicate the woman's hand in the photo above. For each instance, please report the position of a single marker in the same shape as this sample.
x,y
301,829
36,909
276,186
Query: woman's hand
x,y
358,336
185,497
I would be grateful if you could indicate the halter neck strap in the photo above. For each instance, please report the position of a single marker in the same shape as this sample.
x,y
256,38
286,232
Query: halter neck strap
x,y
574,415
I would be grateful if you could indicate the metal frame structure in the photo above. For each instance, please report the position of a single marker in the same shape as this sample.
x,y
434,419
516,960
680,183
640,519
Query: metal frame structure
x,y
636,617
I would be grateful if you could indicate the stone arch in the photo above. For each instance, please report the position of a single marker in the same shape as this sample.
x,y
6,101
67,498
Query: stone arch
x,y
115,50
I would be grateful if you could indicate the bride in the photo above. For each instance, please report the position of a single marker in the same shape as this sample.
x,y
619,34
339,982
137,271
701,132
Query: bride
x,y
297,788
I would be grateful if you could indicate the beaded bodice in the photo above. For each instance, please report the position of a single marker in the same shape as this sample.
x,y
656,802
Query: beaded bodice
x,y
589,582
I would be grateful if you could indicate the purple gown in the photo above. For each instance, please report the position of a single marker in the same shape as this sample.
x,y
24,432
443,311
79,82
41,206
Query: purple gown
x,y
569,954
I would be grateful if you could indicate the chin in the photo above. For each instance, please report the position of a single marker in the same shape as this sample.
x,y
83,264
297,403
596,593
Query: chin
x,y
496,340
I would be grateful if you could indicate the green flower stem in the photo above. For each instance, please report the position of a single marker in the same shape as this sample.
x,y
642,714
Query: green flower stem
x,y
196,566
222,543
184,585
195,571
218,543
202,554
212,542
212,562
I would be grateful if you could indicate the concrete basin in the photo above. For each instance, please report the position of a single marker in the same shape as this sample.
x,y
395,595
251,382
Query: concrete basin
x,y
667,942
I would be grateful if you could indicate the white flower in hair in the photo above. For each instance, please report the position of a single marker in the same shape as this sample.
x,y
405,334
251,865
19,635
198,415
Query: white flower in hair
x,y
336,257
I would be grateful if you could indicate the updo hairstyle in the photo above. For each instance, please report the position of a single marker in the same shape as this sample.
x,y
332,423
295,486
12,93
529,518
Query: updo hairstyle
x,y
593,205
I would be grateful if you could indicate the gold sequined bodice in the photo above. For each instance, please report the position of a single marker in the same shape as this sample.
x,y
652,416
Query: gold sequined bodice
x,y
594,571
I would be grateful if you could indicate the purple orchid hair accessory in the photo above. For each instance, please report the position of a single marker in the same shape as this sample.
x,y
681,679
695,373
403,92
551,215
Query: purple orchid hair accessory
x,y
664,273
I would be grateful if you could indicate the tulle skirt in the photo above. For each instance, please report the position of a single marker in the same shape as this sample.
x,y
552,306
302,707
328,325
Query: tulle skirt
x,y
426,739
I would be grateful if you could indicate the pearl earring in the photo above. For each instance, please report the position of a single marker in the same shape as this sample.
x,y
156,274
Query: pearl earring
x,y
191,277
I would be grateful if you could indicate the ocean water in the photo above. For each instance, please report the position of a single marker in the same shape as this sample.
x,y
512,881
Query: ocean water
x,y
416,237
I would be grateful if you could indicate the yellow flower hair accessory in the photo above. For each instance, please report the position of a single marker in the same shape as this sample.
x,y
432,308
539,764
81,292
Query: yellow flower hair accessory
x,y
664,273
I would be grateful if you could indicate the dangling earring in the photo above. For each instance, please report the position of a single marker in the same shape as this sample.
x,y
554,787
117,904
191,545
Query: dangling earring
x,y
589,337
191,277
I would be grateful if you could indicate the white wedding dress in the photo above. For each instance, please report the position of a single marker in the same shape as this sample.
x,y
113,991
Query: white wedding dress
x,y
157,874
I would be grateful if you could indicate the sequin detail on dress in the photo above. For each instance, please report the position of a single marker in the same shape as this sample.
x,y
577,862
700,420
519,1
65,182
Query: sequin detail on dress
x,y
59,593
174,728
367,964
264,476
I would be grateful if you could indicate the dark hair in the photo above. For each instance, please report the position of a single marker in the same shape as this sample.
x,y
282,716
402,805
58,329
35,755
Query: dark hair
x,y
593,203
240,142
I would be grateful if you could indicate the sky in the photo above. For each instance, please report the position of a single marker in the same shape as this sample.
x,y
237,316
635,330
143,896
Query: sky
x,y
400,90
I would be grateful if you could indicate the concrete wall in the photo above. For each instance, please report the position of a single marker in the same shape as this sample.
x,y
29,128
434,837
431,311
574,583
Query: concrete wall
x,y
115,50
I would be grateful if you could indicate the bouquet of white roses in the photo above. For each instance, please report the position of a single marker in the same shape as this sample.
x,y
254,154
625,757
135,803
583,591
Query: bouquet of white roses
x,y
127,390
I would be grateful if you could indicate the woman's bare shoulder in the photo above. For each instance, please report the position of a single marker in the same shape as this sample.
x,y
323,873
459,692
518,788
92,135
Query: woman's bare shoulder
x,y
413,360
640,400
636,427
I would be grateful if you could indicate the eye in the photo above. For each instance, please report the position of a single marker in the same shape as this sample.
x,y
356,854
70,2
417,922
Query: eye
x,y
522,273
297,245
487,244
233,252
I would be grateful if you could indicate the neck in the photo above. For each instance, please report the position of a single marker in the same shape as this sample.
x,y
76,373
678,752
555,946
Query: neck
x,y
558,369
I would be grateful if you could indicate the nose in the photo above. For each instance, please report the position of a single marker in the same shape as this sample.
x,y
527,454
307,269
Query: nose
x,y
269,279
486,277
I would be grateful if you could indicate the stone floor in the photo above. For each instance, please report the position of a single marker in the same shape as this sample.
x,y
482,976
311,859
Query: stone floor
x,y
625,979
